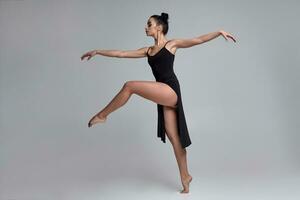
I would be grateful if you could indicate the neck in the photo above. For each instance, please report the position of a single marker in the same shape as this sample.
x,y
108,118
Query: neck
x,y
160,39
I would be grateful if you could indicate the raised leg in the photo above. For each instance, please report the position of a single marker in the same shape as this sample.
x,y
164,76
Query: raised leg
x,y
180,153
157,92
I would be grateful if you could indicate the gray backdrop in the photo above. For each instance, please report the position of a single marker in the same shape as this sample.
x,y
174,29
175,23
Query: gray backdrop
x,y
241,101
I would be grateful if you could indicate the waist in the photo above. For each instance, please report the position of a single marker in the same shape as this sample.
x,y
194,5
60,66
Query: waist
x,y
168,78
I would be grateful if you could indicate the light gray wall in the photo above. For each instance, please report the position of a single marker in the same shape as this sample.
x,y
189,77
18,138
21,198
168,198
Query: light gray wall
x,y
241,100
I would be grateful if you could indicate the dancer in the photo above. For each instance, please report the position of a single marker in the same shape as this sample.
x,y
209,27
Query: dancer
x,y
165,91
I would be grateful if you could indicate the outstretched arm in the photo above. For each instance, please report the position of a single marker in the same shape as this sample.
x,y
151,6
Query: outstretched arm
x,y
185,43
139,53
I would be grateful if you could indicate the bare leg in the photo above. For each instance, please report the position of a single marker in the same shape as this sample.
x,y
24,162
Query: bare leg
x,y
180,153
120,99
159,93
155,91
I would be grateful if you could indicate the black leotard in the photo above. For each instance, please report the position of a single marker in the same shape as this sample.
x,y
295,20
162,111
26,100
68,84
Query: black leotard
x,y
162,68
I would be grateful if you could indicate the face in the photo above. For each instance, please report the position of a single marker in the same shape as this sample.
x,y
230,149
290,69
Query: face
x,y
151,27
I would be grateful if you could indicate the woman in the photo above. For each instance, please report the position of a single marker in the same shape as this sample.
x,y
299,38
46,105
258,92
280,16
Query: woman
x,y
165,91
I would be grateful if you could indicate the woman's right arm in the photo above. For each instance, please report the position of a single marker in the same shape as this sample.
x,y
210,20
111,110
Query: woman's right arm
x,y
139,53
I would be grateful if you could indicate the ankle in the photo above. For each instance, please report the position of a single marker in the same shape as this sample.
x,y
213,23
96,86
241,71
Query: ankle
x,y
101,115
185,176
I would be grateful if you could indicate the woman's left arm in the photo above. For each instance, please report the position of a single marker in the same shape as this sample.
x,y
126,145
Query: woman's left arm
x,y
185,43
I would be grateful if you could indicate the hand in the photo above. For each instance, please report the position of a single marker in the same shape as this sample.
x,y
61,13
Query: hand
x,y
227,35
89,54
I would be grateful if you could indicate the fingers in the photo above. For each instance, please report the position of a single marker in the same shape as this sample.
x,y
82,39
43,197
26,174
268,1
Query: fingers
x,y
83,56
227,35
231,38
86,55
89,54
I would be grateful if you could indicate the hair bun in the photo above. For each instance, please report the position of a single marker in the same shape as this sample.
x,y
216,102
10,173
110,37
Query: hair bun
x,y
164,17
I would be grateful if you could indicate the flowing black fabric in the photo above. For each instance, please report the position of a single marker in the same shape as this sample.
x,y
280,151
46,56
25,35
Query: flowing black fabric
x,y
162,68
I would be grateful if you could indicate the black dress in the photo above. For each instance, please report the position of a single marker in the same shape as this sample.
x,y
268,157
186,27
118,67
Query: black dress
x,y
162,68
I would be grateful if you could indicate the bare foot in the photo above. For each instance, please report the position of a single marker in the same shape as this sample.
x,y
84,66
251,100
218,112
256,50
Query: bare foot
x,y
186,183
97,119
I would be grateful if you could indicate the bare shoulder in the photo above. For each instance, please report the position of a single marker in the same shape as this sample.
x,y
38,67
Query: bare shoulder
x,y
172,45
185,42
143,50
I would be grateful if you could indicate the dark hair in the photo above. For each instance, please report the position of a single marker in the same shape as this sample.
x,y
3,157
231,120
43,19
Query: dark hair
x,y
163,20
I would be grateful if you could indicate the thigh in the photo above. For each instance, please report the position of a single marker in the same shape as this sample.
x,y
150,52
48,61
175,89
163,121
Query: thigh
x,y
170,118
157,92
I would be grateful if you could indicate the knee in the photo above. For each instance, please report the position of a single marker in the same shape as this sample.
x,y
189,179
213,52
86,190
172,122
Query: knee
x,y
128,86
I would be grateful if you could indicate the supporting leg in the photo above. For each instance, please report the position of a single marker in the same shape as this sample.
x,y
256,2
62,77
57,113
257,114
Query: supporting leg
x,y
180,153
